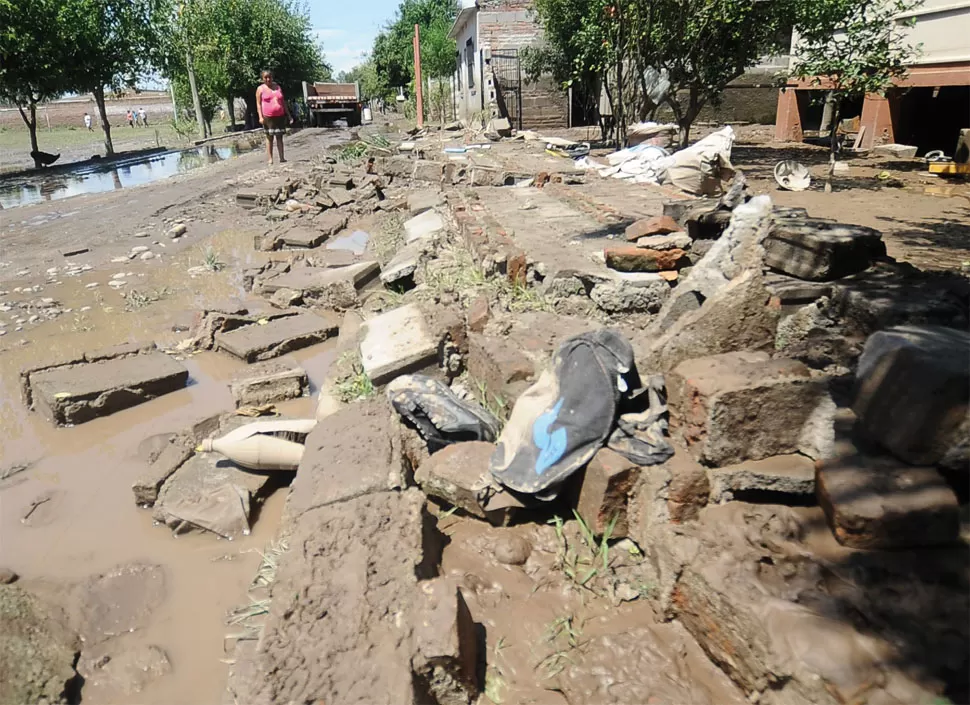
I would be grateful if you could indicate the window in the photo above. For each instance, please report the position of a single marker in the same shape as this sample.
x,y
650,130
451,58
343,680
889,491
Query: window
x,y
470,61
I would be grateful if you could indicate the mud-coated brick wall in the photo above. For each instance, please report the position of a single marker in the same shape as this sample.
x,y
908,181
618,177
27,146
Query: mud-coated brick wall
x,y
544,105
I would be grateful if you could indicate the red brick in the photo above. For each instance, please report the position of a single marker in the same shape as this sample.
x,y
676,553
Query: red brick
x,y
637,259
657,225
605,492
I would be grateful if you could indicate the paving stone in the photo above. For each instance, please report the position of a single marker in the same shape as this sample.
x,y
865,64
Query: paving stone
x,y
420,201
268,382
352,452
485,176
404,263
209,493
821,250
425,225
881,503
639,259
454,471
354,625
426,170
896,151
277,337
445,643
340,197
673,241
78,393
330,287
912,392
163,465
745,406
656,225
397,342
604,493
301,237
777,477
500,365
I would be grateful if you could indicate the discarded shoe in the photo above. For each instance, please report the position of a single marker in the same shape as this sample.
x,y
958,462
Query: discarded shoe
x,y
439,416
560,422
641,434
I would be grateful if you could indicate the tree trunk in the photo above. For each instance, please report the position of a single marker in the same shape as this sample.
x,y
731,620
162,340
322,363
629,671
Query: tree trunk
x,y
31,123
196,103
833,142
694,107
232,112
109,148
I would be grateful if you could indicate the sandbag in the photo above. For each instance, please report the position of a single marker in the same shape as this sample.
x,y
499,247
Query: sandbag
x,y
560,422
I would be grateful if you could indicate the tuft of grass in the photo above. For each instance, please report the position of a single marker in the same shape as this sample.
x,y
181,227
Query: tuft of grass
x,y
495,404
356,385
389,239
352,152
211,261
266,573
495,685
591,558
136,299
565,634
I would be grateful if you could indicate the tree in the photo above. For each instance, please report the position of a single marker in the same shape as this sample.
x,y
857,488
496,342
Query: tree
x,y
365,75
33,55
854,48
113,42
393,53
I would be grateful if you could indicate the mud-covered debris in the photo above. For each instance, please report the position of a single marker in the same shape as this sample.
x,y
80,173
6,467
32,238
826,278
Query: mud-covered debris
x,y
7,576
174,451
267,339
656,225
785,479
603,493
267,382
126,672
457,474
438,414
821,250
445,644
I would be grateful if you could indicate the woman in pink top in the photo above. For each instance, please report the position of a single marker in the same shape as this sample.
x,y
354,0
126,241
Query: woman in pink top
x,y
274,114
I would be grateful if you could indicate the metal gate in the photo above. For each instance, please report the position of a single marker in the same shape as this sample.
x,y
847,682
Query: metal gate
x,y
508,85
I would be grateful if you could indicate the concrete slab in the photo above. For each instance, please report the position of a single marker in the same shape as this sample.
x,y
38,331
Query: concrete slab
x,y
421,201
279,336
425,225
397,342
310,280
403,264
268,382
79,393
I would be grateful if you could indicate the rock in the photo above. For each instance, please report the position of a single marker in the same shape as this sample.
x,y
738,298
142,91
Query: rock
x,y
337,466
790,291
485,176
75,250
629,292
673,241
395,343
638,259
268,382
500,366
138,249
7,576
821,250
425,170
880,503
657,225
145,256
453,473
340,197
354,624
896,151
177,231
445,644
783,479
604,491
699,248
37,651
404,263
426,225
128,672
161,465
500,126
118,601
420,201
140,234
277,337
912,391
209,493
511,549
744,406
76,393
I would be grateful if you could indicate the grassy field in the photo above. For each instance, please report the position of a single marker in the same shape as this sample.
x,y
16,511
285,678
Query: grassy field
x,y
76,143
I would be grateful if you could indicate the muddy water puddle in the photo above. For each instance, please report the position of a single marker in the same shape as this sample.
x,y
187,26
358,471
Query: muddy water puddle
x,y
114,176
70,515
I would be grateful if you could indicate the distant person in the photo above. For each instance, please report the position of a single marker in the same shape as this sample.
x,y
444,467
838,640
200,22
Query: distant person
x,y
274,114
130,117
87,122
143,117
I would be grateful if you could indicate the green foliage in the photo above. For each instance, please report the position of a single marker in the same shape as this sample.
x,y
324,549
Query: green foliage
x,y
364,74
856,48
393,53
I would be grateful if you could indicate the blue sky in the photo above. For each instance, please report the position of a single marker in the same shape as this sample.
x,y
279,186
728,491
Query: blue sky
x,y
347,27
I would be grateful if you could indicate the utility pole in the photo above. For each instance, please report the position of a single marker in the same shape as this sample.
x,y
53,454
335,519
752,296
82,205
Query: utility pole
x,y
417,75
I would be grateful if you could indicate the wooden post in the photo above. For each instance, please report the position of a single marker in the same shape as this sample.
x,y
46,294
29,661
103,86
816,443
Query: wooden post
x,y
417,76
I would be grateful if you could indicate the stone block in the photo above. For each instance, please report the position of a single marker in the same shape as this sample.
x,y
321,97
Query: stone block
x,y
329,287
880,503
744,406
304,238
425,225
420,201
398,166
821,250
603,493
629,292
639,259
673,241
657,225
707,222
688,490
395,343
912,391
353,452
340,197
426,170
485,176
404,263
499,365
783,479
73,394
895,151
500,126
479,314
445,643
268,382
453,472
160,467
277,337
790,291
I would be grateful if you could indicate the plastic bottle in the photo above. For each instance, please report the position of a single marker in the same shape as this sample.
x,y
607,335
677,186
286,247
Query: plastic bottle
x,y
258,452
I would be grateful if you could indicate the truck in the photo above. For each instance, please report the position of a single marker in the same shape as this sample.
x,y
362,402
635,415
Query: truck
x,y
327,102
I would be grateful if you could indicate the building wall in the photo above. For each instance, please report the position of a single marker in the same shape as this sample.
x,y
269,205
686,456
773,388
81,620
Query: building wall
x,y
544,105
943,28
469,93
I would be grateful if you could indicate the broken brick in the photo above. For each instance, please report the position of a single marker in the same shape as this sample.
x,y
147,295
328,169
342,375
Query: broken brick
x,y
604,492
